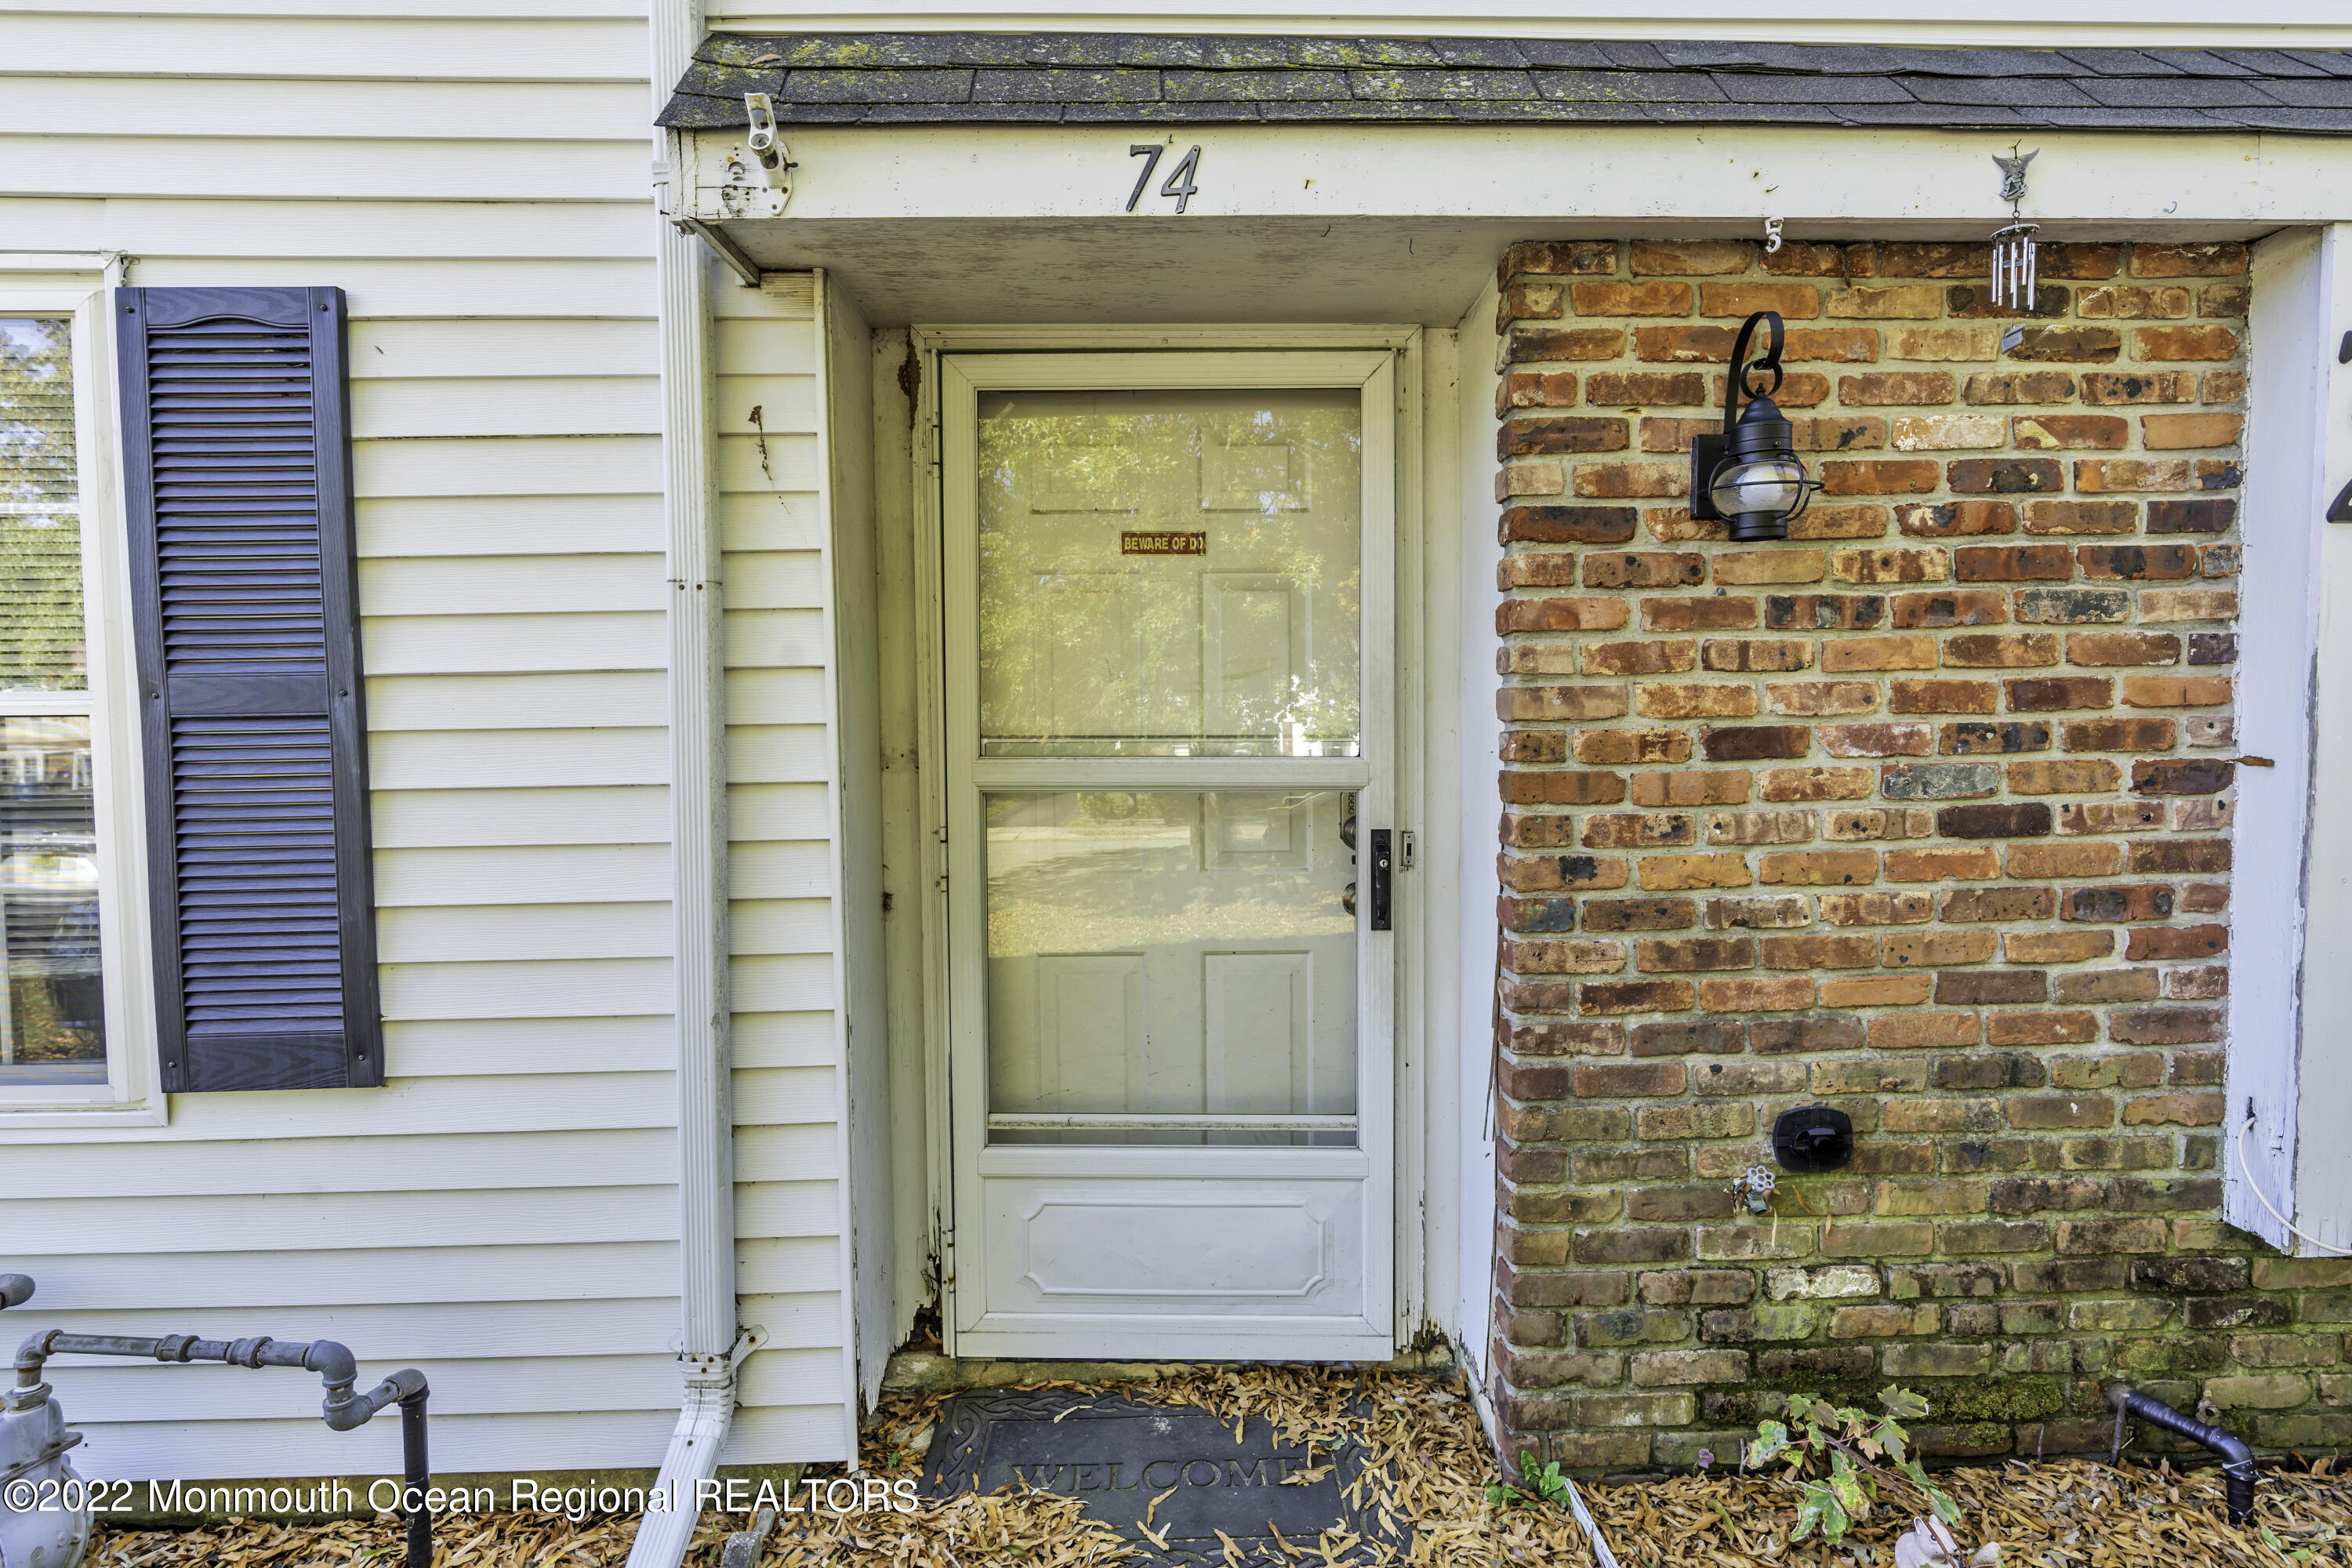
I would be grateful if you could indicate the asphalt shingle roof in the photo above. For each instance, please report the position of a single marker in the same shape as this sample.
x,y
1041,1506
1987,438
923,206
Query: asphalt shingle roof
x,y
943,78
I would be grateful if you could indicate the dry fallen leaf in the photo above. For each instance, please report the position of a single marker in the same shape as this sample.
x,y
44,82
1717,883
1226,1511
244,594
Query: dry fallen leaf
x,y
1427,1466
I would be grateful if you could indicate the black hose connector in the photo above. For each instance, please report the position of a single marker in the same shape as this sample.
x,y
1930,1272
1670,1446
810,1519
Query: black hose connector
x,y
2237,1459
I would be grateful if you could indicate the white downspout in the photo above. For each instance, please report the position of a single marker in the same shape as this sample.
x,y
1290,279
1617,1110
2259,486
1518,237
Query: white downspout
x,y
709,1348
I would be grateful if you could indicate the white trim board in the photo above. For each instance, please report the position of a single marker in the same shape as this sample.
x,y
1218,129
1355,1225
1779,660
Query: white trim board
x,y
1617,179
1416,458
2292,863
899,665
1431,715
1430,1205
2014,23
1297,223
1472,666
846,395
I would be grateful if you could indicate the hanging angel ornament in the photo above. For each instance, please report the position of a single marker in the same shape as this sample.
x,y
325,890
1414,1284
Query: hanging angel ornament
x,y
2012,244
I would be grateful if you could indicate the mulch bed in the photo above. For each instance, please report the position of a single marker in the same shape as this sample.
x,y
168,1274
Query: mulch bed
x,y
2070,1512
1429,1469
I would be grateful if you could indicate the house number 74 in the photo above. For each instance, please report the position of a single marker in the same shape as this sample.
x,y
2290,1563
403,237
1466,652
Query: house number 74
x,y
1179,183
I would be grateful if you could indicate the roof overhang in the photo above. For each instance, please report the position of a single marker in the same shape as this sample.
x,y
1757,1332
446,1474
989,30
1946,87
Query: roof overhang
x,y
1135,78
1405,222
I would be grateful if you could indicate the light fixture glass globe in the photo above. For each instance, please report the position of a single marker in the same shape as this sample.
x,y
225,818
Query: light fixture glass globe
x,y
1768,486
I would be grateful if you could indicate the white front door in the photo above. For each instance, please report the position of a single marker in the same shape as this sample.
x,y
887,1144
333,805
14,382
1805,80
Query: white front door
x,y
1169,670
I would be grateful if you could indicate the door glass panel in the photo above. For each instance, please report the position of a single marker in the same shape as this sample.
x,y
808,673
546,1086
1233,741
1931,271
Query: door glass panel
x,y
1172,953
1171,573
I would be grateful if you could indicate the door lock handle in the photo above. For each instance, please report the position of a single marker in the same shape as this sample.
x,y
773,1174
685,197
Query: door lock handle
x,y
1383,855
1348,898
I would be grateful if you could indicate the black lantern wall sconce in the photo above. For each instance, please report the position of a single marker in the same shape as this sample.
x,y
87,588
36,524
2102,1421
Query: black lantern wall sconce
x,y
1750,476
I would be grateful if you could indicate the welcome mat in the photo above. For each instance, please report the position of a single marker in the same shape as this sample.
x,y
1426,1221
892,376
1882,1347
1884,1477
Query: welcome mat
x,y
1171,1478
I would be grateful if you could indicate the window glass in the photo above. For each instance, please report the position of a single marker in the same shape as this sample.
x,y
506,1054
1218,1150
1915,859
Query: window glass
x,y
52,998
52,1010
41,643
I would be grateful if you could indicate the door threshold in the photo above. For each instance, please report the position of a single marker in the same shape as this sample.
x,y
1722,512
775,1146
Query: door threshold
x,y
928,1371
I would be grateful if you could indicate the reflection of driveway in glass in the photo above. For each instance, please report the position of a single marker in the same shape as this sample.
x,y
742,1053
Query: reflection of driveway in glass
x,y
48,898
1072,883
50,870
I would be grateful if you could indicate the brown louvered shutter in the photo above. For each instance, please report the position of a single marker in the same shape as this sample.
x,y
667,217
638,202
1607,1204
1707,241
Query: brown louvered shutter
x,y
236,435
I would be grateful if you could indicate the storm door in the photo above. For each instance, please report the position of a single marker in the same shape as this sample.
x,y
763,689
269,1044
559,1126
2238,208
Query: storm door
x,y
1169,670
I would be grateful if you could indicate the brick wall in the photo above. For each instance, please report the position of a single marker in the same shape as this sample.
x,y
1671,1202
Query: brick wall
x,y
1923,814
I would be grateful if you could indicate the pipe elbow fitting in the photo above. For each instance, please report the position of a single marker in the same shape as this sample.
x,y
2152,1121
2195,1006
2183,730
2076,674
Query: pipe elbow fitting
x,y
347,1412
2237,1459
33,1354
15,1289
334,1362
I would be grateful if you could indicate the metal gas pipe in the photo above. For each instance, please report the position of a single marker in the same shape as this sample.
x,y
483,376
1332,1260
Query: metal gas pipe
x,y
31,1411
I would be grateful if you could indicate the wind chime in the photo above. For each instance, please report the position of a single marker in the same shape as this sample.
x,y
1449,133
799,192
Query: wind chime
x,y
2013,243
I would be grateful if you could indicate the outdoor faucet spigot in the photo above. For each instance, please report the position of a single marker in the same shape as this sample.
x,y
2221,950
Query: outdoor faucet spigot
x,y
1755,1187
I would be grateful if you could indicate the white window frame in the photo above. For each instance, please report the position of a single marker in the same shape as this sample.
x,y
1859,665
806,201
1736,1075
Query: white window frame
x,y
129,1095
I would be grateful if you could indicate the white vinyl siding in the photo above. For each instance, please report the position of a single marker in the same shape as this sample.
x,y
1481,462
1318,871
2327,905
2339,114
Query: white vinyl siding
x,y
790,1090
504,1213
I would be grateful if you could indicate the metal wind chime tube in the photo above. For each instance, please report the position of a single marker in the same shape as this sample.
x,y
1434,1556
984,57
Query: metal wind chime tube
x,y
2012,266
2012,244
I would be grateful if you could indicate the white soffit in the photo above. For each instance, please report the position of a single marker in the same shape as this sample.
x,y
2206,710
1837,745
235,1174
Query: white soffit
x,y
1221,270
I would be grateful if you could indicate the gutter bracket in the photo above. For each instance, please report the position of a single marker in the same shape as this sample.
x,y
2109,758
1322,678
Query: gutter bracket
x,y
723,1368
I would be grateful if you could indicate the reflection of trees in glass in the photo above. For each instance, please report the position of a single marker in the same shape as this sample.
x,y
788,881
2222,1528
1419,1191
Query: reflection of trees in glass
x,y
1083,648
40,537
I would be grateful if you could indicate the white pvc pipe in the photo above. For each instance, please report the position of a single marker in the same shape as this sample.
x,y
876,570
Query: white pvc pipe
x,y
698,851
